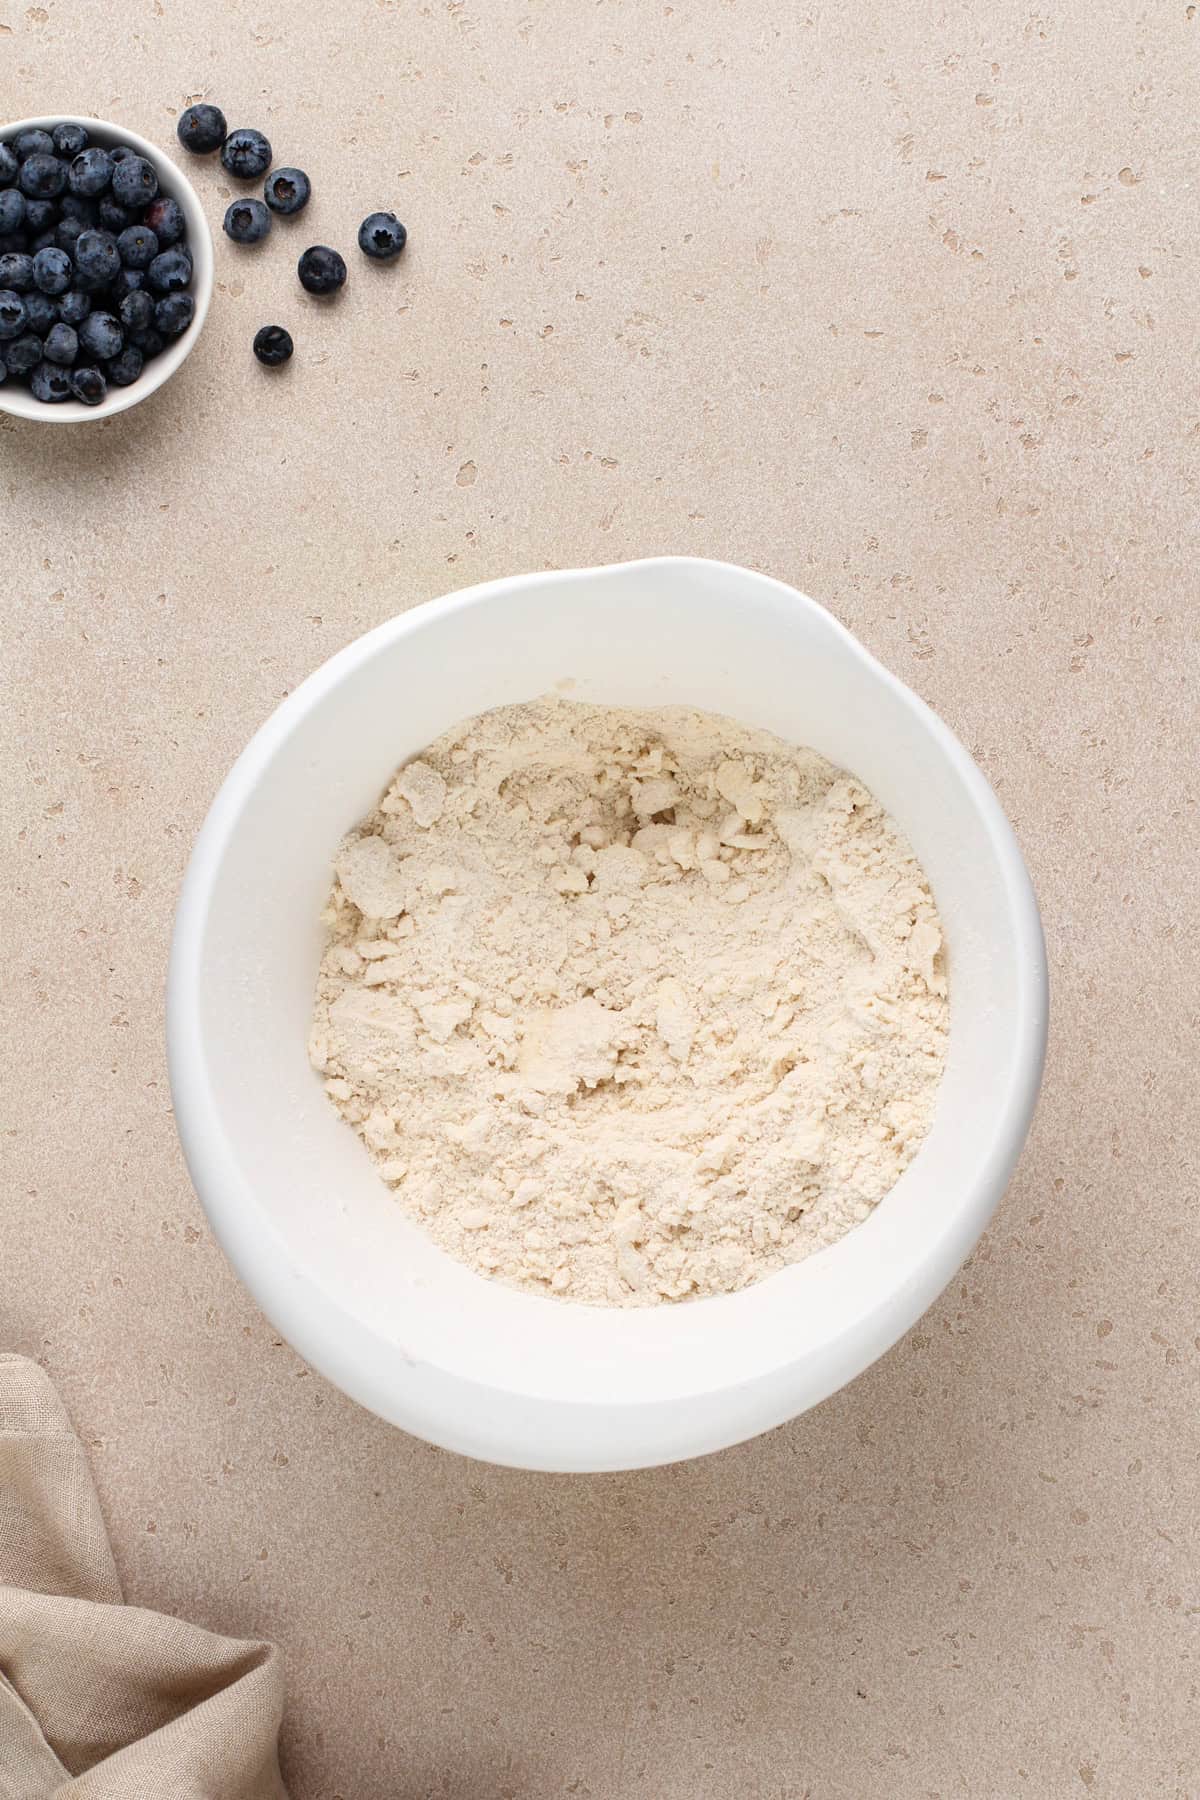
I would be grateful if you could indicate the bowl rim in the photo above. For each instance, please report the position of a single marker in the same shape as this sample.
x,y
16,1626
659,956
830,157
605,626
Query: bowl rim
x,y
18,403
466,1414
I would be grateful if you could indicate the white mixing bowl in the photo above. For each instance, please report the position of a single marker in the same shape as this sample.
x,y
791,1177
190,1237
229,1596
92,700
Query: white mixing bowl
x,y
289,1189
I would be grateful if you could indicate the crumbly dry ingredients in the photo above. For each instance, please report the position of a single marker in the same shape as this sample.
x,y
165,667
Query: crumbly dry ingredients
x,y
630,1007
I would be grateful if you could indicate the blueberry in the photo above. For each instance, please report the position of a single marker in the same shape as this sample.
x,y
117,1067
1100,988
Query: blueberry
x,y
138,246
149,342
41,215
113,216
321,270
287,190
73,308
174,314
273,345
247,221
61,345
129,281
89,386
91,172
8,164
50,383
33,143
45,240
122,152
12,314
101,336
201,129
12,209
96,256
74,206
124,369
165,218
136,311
134,182
246,154
52,270
42,177
382,235
23,354
41,312
16,272
69,139
170,271
66,232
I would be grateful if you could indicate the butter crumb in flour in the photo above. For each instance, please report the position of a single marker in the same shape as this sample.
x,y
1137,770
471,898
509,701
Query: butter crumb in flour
x,y
630,1007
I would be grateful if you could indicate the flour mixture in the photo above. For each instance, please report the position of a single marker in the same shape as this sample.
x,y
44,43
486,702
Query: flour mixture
x,y
630,1007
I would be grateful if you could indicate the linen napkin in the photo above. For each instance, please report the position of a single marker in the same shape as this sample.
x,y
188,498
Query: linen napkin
x,y
99,1700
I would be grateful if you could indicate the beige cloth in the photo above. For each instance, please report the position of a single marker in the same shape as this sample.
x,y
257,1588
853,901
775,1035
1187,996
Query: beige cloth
x,y
98,1700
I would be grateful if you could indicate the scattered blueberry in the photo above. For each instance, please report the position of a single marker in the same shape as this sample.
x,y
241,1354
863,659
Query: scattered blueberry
x,y
89,386
96,256
247,221
170,271
112,215
61,345
321,270
134,182
174,313
50,383
91,172
273,345
12,209
66,232
101,336
8,163
123,370
41,312
149,342
52,270
33,143
136,311
12,314
382,235
16,272
137,246
69,140
42,177
246,154
287,190
24,354
201,129
73,308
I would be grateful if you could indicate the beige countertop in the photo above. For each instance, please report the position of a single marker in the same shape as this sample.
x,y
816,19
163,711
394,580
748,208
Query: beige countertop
x,y
897,302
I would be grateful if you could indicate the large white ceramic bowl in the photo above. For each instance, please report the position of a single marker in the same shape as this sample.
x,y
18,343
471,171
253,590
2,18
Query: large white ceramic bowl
x,y
18,400
290,1191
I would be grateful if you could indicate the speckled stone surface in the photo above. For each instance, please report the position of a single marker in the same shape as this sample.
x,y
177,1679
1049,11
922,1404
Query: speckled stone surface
x,y
897,302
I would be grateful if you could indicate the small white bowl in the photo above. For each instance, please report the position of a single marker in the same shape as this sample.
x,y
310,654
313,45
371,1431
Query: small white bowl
x,y
360,1291
172,181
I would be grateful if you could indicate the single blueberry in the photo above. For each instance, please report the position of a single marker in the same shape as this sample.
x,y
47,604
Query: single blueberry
x,y
69,140
23,354
8,164
16,272
96,255
52,270
74,307
41,215
125,368
89,386
33,143
134,182
246,153
12,314
321,270
91,172
136,311
61,345
12,209
42,177
287,190
101,336
66,232
201,129
165,218
122,152
273,345
174,313
382,235
41,312
129,281
138,246
74,206
149,342
247,221
113,216
170,271
50,383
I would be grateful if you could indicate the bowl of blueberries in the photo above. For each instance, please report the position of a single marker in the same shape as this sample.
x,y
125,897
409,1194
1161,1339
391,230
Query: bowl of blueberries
x,y
106,268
